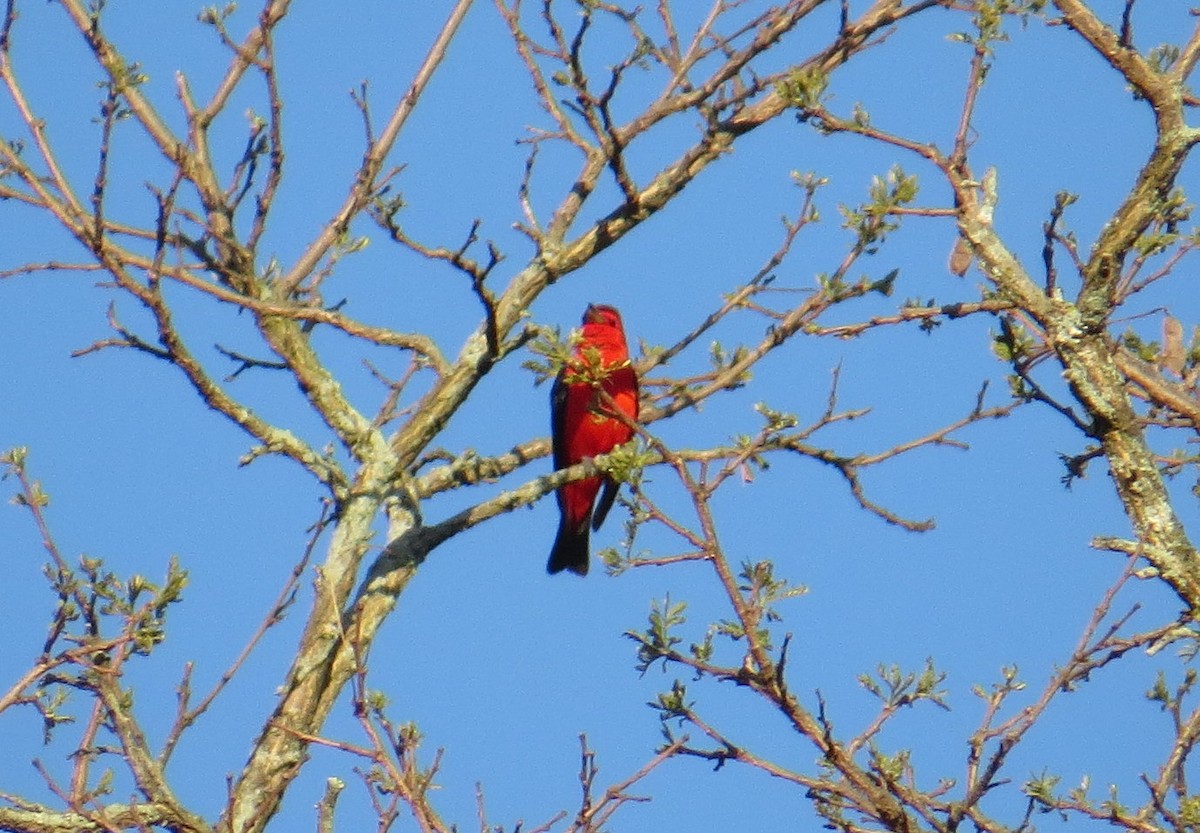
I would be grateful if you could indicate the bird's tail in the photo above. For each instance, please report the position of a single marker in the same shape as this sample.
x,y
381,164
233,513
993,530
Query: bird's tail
x,y
570,550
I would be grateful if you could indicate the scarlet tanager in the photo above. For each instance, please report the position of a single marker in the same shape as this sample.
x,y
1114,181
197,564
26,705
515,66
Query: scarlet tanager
x,y
582,426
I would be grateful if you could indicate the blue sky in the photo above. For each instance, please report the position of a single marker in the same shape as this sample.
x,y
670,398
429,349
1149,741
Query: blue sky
x,y
498,663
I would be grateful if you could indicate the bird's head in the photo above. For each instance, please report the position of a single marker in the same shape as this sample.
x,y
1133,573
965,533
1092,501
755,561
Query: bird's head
x,y
602,314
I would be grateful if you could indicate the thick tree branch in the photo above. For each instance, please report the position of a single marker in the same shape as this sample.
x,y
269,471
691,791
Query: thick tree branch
x,y
35,819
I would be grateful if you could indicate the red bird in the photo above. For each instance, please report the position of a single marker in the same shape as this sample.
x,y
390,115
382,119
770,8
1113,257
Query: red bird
x,y
580,429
